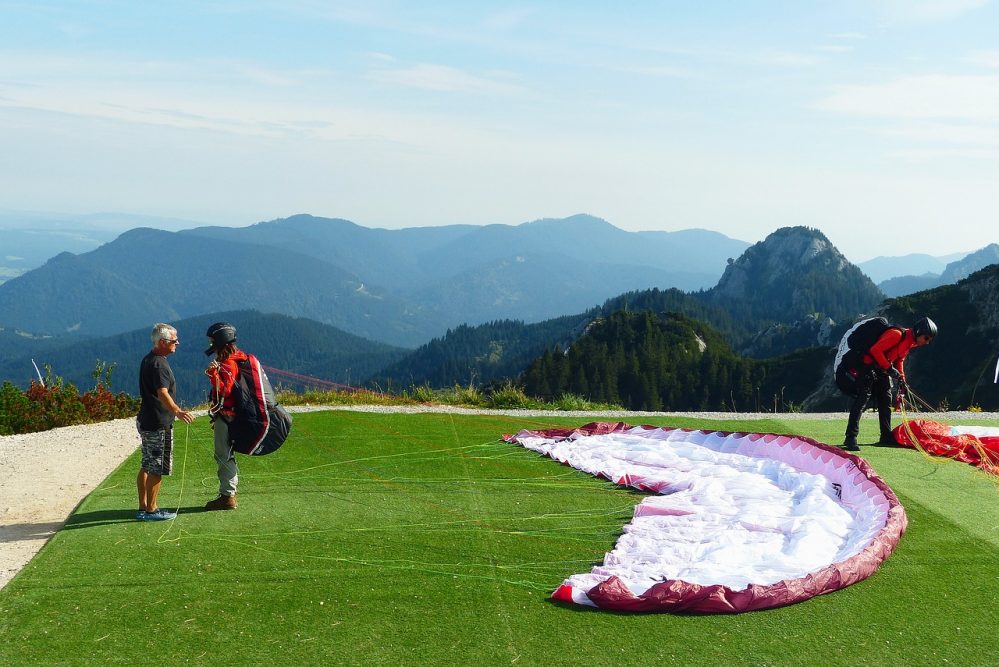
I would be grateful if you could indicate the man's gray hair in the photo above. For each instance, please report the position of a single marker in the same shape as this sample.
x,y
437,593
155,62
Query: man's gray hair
x,y
162,332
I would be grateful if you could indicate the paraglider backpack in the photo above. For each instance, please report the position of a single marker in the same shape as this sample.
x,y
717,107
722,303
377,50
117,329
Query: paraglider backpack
x,y
260,425
849,366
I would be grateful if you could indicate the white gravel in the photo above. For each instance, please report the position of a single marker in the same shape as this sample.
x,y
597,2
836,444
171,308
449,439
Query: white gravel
x,y
44,476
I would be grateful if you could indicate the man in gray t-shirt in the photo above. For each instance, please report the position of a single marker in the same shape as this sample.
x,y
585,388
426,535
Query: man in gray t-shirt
x,y
157,410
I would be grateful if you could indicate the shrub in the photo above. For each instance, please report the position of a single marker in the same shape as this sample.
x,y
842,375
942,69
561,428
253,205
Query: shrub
x,y
334,397
15,410
508,396
53,403
423,394
101,405
458,395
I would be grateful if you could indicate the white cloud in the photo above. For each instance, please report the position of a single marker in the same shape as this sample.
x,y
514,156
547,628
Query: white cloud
x,y
988,58
932,96
443,78
268,77
834,48
661,71
778,58
928,11
508,19
379,56
935,154
969,134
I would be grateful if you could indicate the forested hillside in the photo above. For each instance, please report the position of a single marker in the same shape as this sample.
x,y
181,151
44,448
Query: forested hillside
x,y
479,355
295,344
644,361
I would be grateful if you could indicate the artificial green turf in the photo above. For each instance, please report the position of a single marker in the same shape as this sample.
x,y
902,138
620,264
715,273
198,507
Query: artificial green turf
x,y
424,539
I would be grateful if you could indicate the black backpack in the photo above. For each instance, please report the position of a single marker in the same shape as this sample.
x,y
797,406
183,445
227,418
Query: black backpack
x,y
260,425
849,366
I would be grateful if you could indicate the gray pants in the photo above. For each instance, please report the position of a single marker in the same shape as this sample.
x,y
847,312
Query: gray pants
x,y
225,459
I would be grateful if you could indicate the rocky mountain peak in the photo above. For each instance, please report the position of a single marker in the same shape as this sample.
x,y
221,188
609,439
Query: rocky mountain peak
x,y
792,274
786,253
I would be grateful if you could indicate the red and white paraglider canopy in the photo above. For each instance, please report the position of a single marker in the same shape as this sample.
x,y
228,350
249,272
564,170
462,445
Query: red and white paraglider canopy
x,y
740,522
977,445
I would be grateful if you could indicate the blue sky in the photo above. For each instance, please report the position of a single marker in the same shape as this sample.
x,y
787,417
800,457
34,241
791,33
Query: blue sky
x,y
875,121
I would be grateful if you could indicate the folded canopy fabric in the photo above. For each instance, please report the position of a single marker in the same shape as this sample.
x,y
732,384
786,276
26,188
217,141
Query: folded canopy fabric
x,y
739,522
977,445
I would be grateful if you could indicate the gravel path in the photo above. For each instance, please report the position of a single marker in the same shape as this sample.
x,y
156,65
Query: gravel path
x,y
44,476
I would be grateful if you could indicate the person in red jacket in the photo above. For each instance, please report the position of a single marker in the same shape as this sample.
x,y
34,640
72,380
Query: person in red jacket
x,y
222,373
884,362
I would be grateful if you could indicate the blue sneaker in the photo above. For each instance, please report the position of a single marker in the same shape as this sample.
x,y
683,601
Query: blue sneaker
x,y
159,515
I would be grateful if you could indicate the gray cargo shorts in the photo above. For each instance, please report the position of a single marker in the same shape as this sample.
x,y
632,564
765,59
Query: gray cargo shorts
x,y
157,451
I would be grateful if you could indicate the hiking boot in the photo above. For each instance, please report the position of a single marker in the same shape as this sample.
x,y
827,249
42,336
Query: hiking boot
x,y
222,503
159,515
850,444
888,440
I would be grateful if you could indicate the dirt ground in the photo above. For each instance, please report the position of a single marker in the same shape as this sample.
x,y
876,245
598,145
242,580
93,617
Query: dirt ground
x,y
44,476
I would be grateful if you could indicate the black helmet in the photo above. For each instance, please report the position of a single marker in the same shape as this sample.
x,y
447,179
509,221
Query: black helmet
x,y
220,334
924,327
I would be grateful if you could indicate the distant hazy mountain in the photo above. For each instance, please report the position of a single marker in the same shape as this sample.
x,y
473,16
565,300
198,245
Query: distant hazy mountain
x,y
29,239
292,344
961,267
778,296
398,286
420,259
148,275
902,285
880,269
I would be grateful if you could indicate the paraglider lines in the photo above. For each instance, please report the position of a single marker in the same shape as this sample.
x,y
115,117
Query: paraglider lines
x,y
601,526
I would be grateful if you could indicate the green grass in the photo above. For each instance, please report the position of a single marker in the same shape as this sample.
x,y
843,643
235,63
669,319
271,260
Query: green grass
x,y
423,539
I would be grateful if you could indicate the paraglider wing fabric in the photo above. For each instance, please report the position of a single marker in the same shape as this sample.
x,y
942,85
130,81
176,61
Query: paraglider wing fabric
x,y
739,522
977,445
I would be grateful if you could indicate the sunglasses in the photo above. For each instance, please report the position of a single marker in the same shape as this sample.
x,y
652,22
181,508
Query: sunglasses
x,y
171,341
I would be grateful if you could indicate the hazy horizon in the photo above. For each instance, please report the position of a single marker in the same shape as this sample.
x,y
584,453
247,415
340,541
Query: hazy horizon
x,y
876,122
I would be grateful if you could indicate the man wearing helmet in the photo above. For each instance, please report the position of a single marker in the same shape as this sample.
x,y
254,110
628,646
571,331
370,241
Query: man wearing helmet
x,y
222,373
885,361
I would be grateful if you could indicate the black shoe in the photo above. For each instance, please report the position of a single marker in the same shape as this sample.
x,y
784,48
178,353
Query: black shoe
x,y
888,440
850,444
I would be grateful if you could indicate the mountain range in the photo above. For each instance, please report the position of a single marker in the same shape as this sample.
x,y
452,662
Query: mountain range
x,y
400,287
791,292
29,238
958,268
782,294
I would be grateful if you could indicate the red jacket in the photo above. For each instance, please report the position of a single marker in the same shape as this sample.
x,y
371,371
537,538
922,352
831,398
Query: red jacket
x,y
223,378
891,349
